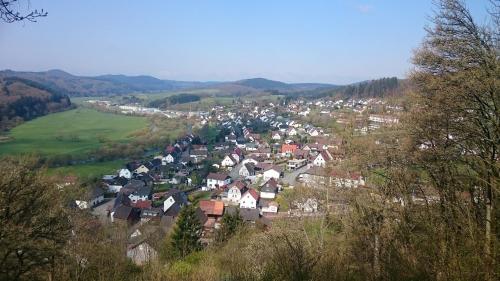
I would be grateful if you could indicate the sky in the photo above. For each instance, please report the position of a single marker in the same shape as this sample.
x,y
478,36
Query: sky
x,y
329,41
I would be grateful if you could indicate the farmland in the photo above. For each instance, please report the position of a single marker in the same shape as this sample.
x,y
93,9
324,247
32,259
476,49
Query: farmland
x,y
73,132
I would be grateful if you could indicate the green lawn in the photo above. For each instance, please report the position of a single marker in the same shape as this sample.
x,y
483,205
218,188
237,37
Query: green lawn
x,y
74,132
87,171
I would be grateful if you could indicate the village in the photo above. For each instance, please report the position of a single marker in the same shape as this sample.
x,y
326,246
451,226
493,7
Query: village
x,y
245,158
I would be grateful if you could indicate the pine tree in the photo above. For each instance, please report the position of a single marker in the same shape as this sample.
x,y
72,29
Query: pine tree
x,y
187,233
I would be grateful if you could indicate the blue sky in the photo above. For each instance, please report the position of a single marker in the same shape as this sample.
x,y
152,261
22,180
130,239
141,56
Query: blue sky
x,y
333,41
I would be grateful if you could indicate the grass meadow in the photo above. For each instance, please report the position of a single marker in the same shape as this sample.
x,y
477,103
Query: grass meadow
x,y
74,132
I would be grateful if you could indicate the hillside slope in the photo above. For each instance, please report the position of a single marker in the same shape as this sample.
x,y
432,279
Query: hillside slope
x,y
22,100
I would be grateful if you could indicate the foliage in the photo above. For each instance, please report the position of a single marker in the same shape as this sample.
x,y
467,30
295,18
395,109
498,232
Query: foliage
x,y
186,235
34,219
229,225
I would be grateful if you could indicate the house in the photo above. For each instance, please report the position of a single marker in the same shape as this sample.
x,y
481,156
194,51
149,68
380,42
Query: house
x,y
141,169
212,212
269,189
291,131
229,161
125,173
249,199
212,208
301,154
247,170
169,158
322,158
141,194
198,155
95,197
268,206
123,213
288,149
273,172
236,191
275,135
174,199
216,180
296,164
116,184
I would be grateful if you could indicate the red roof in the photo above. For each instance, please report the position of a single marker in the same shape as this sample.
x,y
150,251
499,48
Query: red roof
x,y
142,204
239,184
288,148
253,193
211,207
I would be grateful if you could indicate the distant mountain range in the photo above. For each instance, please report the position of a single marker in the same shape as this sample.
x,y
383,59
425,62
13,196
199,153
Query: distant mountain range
x,y
73,85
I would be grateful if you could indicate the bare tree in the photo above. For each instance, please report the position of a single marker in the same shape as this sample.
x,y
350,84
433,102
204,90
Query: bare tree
x,y
10,12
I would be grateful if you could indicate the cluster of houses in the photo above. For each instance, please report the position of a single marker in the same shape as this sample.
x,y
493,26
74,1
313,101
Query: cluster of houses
x,y
243,172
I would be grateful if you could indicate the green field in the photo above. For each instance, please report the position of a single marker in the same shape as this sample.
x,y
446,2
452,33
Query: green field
x,y
74,132
87,171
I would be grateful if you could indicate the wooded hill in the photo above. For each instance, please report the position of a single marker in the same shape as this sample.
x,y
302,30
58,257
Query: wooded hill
x,y
22,100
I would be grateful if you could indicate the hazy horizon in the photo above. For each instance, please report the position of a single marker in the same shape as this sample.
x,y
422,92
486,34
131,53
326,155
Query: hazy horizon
x,y
336,42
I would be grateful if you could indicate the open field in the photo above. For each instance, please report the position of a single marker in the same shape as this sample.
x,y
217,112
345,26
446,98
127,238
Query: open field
x,y
74,132
91,170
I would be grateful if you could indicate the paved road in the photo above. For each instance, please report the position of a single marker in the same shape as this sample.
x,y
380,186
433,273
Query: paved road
x,y
290,177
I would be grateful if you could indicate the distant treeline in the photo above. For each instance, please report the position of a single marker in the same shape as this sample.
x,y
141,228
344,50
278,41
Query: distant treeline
x,y
375,89
23,100
175,99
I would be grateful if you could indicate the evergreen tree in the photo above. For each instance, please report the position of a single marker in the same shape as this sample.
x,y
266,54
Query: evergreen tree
x,y
229,225
187,233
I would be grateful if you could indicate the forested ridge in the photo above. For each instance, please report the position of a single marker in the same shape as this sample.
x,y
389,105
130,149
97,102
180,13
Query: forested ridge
x,y
23,100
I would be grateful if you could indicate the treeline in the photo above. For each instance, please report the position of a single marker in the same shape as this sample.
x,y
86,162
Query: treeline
x,y
175,99
23,100
371,89
378,88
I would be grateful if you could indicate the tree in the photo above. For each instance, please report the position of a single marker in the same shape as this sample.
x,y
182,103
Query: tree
x,y
33,218
458,112
229,225
186,235
9,12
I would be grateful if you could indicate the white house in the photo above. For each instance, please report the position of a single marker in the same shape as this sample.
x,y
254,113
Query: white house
x,y
141,194
249,199
167,159
236,191
247,170
267,206
215,180
275,136
273,172
125,173
313,132
228,161
96,197
291,131
269,189
322,158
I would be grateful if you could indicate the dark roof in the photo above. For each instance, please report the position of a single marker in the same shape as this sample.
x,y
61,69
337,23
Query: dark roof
x,y
122,212
249,214
217,176
156,162
174,210
143,191
134,184
179,196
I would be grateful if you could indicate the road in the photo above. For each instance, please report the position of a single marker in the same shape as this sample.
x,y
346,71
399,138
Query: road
x,y
290,177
